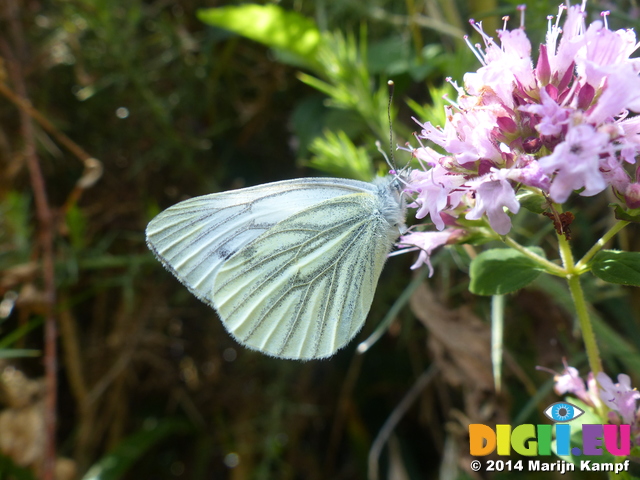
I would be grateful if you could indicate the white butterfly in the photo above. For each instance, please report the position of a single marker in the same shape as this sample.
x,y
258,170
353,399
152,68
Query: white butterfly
x,y
291,267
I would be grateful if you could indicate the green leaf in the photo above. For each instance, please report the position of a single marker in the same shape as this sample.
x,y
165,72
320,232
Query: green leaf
x,y
9,470
114,465
532,201
617,267
270,25
19,352
77,225
336,154
628,215
16,334
435,109
502,270
16,229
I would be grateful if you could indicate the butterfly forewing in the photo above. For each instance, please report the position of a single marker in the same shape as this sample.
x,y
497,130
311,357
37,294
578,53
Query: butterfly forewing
x,y
291,267
194,238
303,288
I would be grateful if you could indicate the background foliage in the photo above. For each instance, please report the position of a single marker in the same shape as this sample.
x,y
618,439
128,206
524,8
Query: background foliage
x,y
150,384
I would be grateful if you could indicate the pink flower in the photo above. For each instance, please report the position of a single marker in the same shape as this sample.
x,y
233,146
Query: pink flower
x,y
632,195
436,191
576,163
629,138
426,242
530,173
493,192
554,126
553,118
504,67
619,397
569,381
621,92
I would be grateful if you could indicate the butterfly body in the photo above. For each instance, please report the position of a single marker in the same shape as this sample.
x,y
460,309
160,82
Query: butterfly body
x,y
291,267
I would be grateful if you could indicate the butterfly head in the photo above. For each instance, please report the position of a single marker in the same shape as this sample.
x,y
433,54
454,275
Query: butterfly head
x,y
393,209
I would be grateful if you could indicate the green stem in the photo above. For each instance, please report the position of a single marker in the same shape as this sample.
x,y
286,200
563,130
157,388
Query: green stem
x,y
497,339
620,224
572,272
589,338
566,254
573,279
549,267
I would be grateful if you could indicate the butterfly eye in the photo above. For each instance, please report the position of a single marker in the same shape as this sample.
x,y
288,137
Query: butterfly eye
x,y
563,412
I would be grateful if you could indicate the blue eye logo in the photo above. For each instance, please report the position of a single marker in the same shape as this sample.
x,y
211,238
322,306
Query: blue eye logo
x,y
563,412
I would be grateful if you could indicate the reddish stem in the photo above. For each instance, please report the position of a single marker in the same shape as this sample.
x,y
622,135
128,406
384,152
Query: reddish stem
x,y
45,236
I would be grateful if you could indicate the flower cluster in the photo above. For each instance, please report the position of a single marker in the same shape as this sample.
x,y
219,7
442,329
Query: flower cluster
x,y
620,398
553,128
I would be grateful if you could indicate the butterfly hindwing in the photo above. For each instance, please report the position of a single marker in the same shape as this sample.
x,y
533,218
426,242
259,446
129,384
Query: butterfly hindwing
x,y
303,288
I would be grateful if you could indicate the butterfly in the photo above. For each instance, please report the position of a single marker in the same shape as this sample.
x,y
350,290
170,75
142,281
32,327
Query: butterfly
x,y
291,267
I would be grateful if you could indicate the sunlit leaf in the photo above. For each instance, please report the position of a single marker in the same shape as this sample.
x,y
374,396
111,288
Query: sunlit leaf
x,y
270,25
502,270
336,154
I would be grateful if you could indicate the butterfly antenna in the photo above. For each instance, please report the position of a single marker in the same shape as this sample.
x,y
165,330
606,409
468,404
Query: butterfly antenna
x,y
386,157
392,163
393,169
391,86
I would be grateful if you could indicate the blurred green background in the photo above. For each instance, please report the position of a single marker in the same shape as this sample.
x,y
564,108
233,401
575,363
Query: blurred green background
x,y
181,98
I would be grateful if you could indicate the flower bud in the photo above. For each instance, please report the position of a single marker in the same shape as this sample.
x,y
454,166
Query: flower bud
x,y
632,195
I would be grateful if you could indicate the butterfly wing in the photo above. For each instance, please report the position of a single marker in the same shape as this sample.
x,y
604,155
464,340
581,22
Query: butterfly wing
x,y
194,238
304,287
